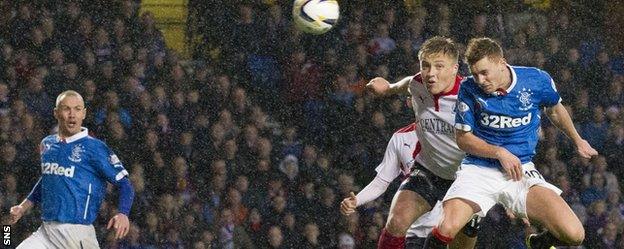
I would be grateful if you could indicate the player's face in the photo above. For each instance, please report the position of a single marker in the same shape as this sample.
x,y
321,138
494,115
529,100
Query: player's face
x,y
488,73
70,113
438,71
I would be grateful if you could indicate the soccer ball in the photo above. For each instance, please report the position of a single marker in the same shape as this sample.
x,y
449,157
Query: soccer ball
x,y
315,16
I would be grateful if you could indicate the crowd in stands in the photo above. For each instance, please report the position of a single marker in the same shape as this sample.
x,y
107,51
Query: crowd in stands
x,y
253,142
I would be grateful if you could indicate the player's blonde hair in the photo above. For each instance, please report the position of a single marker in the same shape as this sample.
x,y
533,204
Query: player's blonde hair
x,y
67,93
438,44
479,48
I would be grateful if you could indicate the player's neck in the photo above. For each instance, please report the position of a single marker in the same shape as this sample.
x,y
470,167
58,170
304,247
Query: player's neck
x,y
506,78
449,88
63,134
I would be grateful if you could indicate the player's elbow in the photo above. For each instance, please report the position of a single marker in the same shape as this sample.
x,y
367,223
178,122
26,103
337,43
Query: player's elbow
x,y
461,139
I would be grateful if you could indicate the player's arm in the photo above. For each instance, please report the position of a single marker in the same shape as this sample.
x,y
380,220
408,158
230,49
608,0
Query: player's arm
x,y
471,144
108,164
474,145
381,86
372,191
120,221
33,197
560,117
388,169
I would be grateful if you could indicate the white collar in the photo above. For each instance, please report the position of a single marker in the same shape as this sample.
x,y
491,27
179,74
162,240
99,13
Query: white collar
x,y
514,78
84,132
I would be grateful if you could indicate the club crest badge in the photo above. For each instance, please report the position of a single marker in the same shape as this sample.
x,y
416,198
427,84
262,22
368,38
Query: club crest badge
x,y
76,153
524,97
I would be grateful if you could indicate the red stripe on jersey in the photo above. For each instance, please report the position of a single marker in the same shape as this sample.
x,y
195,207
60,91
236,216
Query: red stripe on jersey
x,y
416,150
407,128
418,78
453,91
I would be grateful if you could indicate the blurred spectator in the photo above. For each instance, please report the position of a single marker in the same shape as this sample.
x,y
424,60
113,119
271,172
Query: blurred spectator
x,y
596,191
311,234
230,234
596,220
596,129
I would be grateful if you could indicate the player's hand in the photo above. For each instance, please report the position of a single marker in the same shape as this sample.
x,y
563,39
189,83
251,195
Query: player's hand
x,y
121,224
15,214
511,163
585,150
348,205
378,85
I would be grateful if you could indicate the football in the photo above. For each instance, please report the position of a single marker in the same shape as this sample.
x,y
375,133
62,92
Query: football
x,y
315,16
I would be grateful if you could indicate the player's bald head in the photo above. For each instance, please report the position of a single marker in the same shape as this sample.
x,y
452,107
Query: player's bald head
x,y
479,48
68,93
438,45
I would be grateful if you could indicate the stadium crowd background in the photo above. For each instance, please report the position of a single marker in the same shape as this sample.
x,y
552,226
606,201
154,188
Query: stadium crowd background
x,y
255,140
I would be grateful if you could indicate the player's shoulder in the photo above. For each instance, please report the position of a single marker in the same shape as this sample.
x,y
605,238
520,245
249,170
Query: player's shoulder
x,y
94,143
403,135
468,84
531,72
405,129
49,139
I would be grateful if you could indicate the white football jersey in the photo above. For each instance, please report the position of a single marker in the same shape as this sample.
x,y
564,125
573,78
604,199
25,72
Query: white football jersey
x,y
399,155
435,119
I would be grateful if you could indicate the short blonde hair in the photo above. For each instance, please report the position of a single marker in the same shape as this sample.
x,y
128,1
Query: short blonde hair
x,y
438,44
67,93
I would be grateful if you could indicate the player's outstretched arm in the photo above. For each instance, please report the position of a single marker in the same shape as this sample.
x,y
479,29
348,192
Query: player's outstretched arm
x,y
348,205
474,145
380,86
121,224
371,192
560,117
120,221
33,197
18,211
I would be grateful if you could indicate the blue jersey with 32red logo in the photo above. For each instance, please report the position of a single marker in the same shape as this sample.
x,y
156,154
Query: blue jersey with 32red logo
x,y
511,119
74,175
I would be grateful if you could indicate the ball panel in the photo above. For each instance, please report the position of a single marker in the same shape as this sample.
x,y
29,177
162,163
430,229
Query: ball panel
x,y
315,16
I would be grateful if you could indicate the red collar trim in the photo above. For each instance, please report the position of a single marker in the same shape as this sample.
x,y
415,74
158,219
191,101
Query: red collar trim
x,y
453,91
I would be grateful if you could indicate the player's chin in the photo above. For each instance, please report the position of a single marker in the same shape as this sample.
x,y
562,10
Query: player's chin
x,y
488,90
73,128
433,90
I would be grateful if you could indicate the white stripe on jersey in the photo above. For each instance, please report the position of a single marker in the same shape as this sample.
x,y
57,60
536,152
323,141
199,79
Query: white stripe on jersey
x,y
435,119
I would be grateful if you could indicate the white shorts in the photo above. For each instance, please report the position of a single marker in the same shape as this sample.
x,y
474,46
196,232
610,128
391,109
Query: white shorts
x,y
487,186
424,224
61,235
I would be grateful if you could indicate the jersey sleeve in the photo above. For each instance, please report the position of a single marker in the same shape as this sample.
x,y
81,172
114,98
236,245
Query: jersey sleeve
x,y
464,110
107,163
549,96
389,168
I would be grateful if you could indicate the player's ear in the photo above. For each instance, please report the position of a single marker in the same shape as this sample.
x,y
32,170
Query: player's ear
x,y
456,68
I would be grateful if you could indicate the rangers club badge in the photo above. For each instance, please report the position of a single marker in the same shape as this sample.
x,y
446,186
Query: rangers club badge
x,y
76,152
525,99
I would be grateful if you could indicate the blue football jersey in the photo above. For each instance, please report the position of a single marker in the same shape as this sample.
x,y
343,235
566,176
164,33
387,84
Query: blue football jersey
x,y
509,120
74,175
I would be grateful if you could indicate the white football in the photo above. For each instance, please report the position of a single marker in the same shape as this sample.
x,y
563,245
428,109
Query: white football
x,y
315,16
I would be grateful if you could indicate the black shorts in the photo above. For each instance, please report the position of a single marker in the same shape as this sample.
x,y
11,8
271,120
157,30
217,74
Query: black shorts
x,y
414,242
426,184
